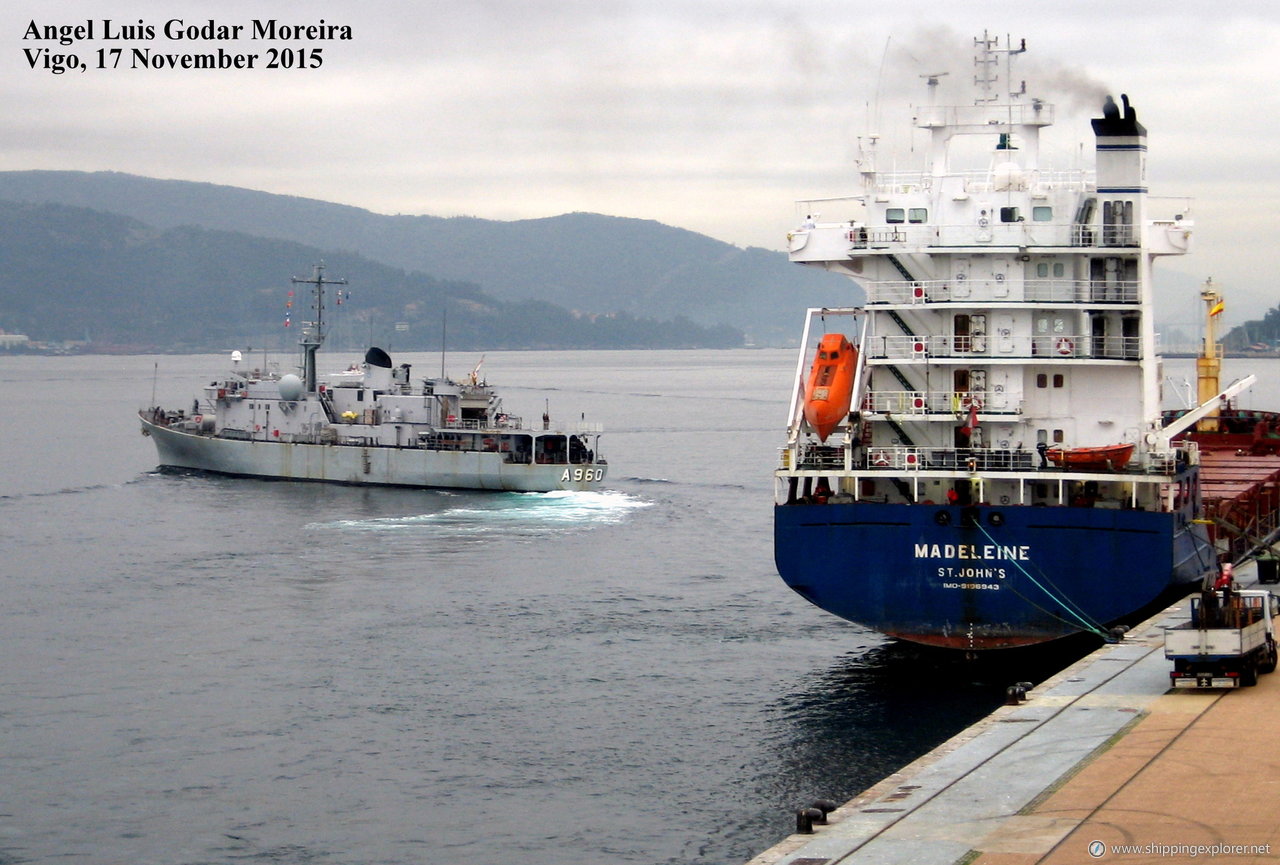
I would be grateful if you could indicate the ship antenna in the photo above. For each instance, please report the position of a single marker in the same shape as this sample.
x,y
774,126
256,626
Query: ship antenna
x,y
874,119
932,79
444,333
313,335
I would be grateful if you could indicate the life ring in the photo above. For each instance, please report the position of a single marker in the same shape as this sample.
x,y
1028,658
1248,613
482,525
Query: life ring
x,y
1065,346
880,458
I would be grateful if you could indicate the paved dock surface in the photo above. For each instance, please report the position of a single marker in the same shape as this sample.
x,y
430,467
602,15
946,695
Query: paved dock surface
x,y
1103,762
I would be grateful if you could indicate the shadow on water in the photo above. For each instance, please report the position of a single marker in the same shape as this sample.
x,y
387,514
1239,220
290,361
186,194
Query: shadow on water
x,y
875,710
870,713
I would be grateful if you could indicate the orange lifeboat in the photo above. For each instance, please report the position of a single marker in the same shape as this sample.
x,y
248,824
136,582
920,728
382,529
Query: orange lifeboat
x,y
829,391
1106,458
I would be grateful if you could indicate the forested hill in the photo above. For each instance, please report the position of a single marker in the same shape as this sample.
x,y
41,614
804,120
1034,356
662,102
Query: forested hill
x,y
73,274
1257,335
589,263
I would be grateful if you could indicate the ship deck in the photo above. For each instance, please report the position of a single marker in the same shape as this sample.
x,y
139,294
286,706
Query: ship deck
x,y
1241,494
1103,752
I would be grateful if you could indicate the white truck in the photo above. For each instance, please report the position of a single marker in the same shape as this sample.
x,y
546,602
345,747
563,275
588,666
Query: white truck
x,y
1229,640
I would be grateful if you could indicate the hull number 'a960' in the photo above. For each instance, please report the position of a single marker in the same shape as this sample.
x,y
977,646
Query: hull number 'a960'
x,y
580,475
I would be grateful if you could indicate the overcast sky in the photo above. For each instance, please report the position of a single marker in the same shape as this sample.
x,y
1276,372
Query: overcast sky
x,y
707,115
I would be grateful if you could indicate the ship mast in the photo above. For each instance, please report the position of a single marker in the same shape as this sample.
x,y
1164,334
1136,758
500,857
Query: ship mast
x,y
313,335
1209,363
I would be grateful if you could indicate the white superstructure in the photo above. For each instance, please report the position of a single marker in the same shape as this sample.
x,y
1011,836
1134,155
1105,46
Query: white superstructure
x,y
1008,308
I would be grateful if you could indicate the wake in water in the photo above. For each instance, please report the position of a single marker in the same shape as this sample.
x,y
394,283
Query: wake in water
x,y
515,513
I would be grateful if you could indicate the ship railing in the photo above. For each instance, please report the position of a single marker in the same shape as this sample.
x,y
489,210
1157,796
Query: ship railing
x,y
843,211
959,403
946,459
499,421
812,456
999,229
986,116
817,456
1035,181
980,290
1058,346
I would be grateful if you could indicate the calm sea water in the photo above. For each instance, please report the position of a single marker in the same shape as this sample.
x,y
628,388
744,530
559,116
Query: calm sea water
x,y
204,670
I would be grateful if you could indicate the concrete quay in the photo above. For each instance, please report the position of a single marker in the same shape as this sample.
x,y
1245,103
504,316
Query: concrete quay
x,y
1103,762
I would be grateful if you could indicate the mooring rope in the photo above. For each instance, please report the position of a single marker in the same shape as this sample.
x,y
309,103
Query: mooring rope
x,y
1087,622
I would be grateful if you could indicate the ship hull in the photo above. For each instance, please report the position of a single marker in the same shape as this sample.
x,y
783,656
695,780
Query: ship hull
x,y
984,578
373,465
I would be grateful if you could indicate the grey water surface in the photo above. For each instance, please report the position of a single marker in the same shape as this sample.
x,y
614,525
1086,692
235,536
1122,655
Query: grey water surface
x,y
197,669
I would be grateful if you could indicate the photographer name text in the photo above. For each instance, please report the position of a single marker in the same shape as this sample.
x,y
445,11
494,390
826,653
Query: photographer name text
x,y
177,43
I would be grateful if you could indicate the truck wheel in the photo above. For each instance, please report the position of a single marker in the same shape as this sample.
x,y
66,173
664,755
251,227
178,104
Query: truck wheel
x,y
1268,664
1248,674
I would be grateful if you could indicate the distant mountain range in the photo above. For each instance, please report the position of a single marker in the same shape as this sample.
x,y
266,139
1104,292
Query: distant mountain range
x,y
119,258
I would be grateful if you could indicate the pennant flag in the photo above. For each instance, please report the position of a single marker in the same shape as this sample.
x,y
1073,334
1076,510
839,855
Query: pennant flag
x,y
1218,307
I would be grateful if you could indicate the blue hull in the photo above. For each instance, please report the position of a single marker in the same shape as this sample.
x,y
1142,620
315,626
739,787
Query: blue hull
x,y
984,577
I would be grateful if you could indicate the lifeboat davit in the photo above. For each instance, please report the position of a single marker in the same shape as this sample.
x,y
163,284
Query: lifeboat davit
x,y
829,391
1106,458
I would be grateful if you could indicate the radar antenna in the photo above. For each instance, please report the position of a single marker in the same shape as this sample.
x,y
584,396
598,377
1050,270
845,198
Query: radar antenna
x,y
932,79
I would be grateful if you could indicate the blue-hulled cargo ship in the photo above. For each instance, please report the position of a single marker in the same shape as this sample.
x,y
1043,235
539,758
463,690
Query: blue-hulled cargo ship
x,y
1004,476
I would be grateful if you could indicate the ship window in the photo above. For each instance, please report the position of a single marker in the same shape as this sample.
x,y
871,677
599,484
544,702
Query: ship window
x,y
917,214
1042,380
1058,380
1058,437
894,215
1009,214
1042,214
1042,269
1059,269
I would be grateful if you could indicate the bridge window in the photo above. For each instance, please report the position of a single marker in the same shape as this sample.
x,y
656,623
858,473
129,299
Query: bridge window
x,y
1010,214
1042,214
895,215
918,214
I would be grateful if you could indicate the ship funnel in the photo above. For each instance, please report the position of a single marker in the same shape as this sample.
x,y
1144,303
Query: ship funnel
x,y
1121,172
377,369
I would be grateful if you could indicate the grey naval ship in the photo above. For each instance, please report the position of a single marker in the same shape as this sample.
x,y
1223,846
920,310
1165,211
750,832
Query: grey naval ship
x,y
371,424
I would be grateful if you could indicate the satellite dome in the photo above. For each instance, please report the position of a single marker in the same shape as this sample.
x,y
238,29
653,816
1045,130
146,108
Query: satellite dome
x,y
290,387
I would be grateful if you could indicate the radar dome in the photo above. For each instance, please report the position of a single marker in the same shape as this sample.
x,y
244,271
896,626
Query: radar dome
x,y
290,387
377,357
